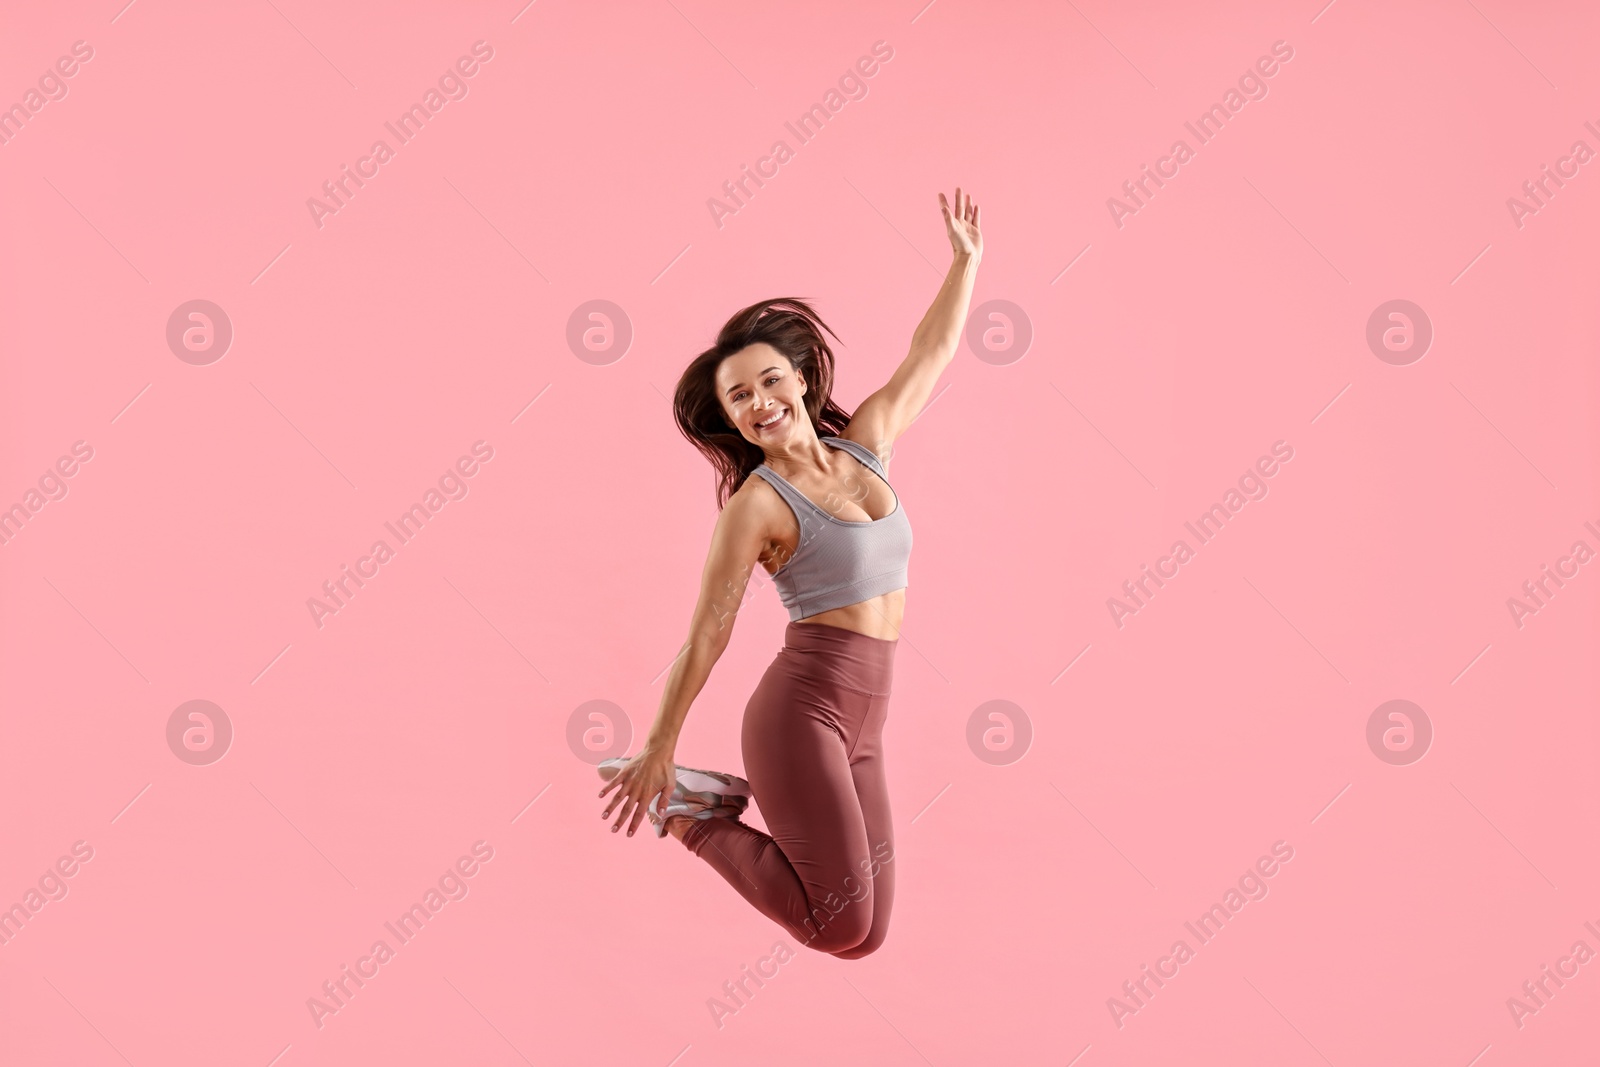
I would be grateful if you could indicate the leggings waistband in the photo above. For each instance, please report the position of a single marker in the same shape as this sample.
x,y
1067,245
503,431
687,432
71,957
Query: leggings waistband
x,y
844,657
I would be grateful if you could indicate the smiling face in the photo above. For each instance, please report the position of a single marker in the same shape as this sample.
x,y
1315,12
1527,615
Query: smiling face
x,y
761,395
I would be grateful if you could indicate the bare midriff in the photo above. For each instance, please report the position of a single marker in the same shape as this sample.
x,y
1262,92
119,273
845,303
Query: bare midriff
x,y
879,617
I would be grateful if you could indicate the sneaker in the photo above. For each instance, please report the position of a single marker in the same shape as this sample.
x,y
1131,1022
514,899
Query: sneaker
x,y
689,779
730,810
696,793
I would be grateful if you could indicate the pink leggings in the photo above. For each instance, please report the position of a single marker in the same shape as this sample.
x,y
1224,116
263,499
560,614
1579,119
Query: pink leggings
x,y
813,754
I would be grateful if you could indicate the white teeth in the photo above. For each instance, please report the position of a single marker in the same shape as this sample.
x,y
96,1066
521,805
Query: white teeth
x,y
770,421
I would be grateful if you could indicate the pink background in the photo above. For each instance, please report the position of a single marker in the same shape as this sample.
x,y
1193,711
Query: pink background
x,y
368,354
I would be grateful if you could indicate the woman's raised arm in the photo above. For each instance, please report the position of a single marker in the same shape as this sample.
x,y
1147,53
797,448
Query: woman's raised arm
x,y
884,415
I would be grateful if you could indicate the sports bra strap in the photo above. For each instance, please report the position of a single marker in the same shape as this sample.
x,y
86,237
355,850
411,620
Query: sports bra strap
x,y
795,497
862,453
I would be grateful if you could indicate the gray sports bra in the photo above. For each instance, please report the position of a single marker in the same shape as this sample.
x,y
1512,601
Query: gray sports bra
x,y
839,562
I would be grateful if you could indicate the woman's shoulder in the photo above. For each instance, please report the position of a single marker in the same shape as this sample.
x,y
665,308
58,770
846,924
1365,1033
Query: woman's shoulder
x,y
756,510
755,497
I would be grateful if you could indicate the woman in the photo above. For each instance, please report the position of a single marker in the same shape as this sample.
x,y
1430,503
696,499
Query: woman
x,y
823,521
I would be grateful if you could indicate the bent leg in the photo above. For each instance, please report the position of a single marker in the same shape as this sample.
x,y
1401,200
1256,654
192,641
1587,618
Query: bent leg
x,y
809,873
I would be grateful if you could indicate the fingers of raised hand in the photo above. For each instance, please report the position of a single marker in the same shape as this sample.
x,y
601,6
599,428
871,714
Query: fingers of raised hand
x,y
965,209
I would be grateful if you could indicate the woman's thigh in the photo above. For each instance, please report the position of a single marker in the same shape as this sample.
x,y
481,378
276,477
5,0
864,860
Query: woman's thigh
x,y
797,737
872,792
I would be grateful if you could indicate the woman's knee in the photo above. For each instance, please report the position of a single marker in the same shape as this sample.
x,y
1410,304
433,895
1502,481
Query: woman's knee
x,y
842,932
873,941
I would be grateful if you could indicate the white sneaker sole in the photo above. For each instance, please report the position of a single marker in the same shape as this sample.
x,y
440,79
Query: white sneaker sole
x,y
689,779
723,811
696,794
723,785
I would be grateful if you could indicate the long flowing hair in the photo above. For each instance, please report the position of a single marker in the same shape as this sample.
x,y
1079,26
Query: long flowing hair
x,y
789,325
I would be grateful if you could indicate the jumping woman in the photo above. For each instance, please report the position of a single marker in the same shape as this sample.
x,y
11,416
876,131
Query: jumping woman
x,y
823,521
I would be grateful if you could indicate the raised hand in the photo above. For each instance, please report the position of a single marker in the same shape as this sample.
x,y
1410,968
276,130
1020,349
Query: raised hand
x,y
962,225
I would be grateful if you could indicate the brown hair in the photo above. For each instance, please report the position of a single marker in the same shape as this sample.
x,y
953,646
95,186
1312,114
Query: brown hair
x,y
789,325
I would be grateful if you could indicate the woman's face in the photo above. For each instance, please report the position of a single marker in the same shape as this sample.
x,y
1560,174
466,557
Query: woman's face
x,y
760,394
